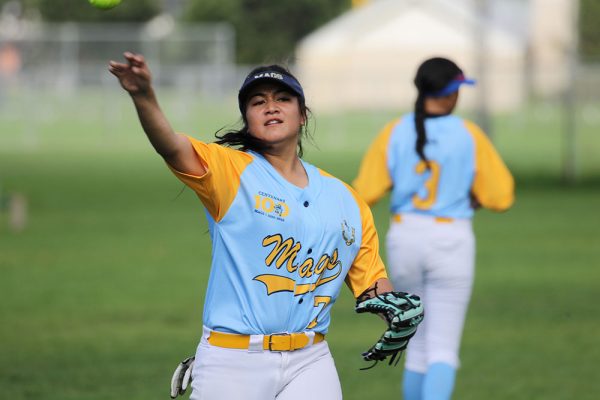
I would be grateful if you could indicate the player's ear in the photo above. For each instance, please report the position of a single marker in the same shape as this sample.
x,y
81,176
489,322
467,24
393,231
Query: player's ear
x,y
303,115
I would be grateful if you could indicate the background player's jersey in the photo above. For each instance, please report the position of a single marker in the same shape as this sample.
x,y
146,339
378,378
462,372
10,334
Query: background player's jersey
x,y
279,253
462,163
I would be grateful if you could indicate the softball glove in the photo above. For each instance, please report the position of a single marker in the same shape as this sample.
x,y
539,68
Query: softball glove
x,y
403,312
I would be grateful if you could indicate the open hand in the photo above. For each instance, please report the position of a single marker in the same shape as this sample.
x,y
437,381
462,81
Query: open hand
x,y
134,76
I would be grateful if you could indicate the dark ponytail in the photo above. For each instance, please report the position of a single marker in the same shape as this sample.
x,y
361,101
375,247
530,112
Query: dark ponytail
x,y
420,127
240,138
432,76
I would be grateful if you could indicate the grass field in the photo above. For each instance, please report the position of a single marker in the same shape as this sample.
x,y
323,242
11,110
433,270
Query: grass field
x,y
102,293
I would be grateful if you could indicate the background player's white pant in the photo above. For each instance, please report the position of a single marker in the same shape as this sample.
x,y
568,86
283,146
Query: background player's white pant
x,y
434,260
221,373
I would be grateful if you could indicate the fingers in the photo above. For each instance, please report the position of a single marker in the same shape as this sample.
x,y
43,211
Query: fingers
x,y
187,378
116,68
135,60
176,381
182,377
134,68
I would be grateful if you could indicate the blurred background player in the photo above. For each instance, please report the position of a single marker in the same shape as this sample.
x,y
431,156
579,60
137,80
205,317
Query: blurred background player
x,y
439,169
285,236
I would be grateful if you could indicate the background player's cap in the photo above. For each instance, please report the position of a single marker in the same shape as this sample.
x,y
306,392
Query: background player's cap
x,y
453,86
273,75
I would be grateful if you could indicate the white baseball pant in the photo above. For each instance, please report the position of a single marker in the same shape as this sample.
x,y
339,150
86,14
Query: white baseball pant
x,y
222,373
435,259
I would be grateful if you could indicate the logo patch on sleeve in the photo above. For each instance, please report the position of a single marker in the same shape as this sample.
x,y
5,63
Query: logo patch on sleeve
x,y
348,233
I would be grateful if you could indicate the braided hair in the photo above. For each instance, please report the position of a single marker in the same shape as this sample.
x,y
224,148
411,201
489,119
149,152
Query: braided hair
x,y
432,76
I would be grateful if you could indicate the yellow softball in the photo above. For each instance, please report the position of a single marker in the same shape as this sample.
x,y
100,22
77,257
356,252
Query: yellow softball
x,y
105,4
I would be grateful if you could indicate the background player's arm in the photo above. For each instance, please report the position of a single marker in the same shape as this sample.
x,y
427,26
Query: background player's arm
x,y
373,179
493,185
134,76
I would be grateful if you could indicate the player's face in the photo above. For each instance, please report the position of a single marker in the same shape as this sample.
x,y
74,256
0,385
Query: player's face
x,y
273,114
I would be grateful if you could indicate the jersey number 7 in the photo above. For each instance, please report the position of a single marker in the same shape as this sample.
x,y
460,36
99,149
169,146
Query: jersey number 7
x,y
318,301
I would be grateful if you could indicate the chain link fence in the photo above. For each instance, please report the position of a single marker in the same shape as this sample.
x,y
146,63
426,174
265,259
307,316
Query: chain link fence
x,y
53,73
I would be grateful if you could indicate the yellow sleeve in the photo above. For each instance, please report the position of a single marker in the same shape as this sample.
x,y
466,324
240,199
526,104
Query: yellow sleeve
x,y
368,266
493,185
218,187
374,179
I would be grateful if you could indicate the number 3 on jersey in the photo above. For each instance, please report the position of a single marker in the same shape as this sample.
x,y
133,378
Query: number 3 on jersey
x,y
431,184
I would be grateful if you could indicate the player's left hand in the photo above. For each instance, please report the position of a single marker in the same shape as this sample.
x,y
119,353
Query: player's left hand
x,y
182,377
403,312
391,344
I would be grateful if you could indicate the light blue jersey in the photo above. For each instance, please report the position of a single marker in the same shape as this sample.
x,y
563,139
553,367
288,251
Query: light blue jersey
x,y
279,253
463,167
451,152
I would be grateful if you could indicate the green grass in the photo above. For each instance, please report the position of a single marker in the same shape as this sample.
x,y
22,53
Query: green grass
x,y
102,293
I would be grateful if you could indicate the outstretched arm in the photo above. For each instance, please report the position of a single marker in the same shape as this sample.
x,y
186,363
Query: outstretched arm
x,y
135,77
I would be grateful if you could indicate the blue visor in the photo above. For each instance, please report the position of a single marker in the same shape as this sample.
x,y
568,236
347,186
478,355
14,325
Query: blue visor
x,y
274,76
452,87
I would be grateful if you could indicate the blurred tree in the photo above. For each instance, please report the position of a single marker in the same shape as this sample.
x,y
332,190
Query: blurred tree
x,y
589,29
82,11
266,31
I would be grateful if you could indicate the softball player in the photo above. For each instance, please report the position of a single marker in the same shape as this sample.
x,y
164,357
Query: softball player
x,y
439,169
285,236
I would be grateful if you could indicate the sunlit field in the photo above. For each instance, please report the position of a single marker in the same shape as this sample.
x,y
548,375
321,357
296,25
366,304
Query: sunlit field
x,y
102,292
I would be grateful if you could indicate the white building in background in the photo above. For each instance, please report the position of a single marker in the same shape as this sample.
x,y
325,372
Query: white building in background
x,y
552,38
367,57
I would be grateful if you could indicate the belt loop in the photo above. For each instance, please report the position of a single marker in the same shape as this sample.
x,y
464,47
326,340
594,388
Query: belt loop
x,y
256,343
205,334
311,337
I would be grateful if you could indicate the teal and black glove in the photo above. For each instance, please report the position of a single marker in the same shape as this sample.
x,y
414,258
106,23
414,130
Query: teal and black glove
x,y
403,312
